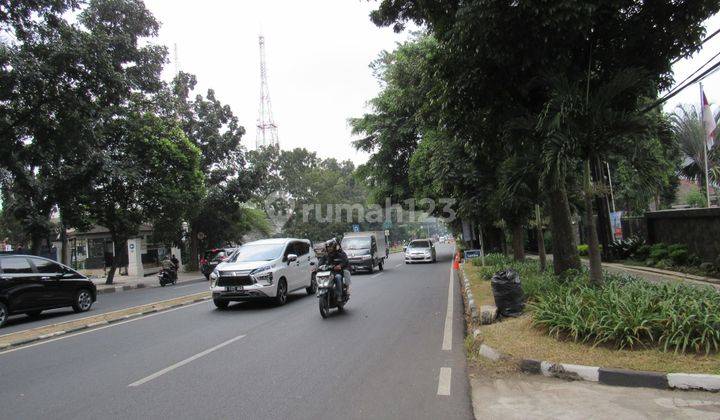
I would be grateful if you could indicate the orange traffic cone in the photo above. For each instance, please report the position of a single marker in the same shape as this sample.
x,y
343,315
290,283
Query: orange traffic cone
x,y
456,261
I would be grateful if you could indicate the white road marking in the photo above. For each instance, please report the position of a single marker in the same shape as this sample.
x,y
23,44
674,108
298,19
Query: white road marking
x,y
98,329
447,335
378,274
444,381
399,265
187,285
184,362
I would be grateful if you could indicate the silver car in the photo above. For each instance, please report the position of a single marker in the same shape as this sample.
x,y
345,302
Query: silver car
x,y
420,250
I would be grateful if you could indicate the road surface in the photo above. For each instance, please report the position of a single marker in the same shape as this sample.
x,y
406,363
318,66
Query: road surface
x,y
397,352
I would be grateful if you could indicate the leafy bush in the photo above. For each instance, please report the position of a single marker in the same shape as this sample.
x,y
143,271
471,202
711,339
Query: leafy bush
x,y
642,253
695,198
659,251
583,249
625,312
664,264
625,248
678,254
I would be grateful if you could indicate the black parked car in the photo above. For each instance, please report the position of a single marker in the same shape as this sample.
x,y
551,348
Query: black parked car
x,y
30,284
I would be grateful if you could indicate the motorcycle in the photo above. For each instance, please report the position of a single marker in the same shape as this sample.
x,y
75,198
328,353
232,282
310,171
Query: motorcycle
x,y
325,278
167,277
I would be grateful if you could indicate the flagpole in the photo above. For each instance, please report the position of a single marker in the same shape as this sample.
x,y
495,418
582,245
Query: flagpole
x,y
704,144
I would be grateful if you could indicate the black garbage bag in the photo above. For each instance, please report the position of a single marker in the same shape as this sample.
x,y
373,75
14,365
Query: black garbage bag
x,y
508,293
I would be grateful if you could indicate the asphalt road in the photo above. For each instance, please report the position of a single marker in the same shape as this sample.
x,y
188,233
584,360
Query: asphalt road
x,y
394,353
106,302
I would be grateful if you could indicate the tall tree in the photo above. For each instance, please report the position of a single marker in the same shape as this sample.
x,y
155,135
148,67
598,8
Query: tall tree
x,y
149,171
61,81
219,216
494,57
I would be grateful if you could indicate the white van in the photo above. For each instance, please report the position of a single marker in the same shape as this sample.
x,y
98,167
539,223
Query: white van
x,y
365,250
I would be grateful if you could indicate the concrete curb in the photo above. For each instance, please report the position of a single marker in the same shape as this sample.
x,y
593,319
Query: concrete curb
x,y
471,308
141,285
611,377
40,337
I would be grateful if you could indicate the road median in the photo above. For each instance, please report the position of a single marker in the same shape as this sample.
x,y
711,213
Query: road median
x,y
45,332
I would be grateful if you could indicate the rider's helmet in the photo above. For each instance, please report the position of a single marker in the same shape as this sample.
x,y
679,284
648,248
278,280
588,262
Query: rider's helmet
x,y
331,245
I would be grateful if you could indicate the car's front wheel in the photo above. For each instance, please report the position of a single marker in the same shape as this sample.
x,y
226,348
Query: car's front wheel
x,y
83,301
313,286
3,314
221,304
281,294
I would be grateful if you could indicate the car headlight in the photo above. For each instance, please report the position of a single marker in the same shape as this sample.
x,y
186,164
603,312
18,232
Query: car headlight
x,y
262,274
214,276
366,257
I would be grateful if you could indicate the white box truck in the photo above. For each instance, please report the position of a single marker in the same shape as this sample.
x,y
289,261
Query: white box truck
x,y
365,250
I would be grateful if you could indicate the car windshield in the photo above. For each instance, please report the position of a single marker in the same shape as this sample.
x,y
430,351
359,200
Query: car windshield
x,y
419,244
257,252
356,243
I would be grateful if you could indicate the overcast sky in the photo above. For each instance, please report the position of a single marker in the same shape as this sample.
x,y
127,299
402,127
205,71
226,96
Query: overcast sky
x,y
317,56
686,67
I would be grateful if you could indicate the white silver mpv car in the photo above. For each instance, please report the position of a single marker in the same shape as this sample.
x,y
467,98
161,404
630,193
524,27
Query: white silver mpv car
x,y
265,269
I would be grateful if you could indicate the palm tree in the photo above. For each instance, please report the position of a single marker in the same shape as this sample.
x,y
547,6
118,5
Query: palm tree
x,y
583,126
690,135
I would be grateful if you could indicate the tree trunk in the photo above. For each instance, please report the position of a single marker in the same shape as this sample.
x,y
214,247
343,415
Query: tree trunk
x,y
63,243
592,235
117,246
36,244
604,227
518,243
565,253
503,242
192,264
540,239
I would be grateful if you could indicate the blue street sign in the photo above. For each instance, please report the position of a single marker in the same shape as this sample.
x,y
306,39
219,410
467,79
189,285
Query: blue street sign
x,y
356,228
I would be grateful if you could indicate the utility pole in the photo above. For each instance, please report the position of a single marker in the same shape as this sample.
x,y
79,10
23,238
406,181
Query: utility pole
x,y
176,59
704,144
266,134
612,195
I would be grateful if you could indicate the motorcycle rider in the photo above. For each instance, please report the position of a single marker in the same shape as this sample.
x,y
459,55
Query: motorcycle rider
x,y
176,262
337,258
169,266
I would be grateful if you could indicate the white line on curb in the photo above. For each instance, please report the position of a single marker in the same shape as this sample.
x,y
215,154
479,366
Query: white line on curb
x,y
184,362
98,329
447,335
444,381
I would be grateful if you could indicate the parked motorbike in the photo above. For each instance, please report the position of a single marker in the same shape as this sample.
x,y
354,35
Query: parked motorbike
x,y
167,277
325,278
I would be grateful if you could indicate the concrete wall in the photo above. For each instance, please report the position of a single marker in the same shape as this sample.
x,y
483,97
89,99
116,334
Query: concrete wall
x,y
699,229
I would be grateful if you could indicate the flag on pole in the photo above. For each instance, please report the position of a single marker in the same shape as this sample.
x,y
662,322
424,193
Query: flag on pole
x,y
708,121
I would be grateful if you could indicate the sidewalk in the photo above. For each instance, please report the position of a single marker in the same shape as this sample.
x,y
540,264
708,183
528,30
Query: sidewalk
x,y
121,283
654,275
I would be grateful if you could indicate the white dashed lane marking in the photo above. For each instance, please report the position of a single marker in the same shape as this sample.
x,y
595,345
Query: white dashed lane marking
x,y
444,381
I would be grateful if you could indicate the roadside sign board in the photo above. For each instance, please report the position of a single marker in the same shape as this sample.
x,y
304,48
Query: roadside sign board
x,y
472,253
